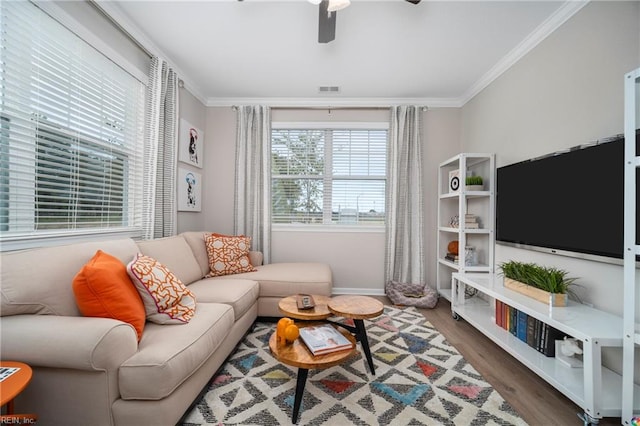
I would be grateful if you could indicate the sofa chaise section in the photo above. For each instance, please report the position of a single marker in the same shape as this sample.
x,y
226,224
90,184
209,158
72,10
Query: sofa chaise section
x,y
277,280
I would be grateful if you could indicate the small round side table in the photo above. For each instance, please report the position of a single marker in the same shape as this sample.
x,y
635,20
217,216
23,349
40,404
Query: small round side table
x,y
14,384
358,308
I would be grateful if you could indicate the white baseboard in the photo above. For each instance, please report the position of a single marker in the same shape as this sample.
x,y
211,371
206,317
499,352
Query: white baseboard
x,y
360,291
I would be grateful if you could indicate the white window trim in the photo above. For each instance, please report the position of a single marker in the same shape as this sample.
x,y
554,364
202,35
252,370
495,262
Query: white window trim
x,y
325,228
315,125
57,238
331,125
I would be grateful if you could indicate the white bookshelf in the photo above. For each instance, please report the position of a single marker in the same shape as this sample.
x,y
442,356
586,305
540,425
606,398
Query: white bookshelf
x,y
596,389
631,248
477,202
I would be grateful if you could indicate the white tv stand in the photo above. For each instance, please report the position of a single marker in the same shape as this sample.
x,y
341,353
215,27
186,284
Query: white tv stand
x,y
596,389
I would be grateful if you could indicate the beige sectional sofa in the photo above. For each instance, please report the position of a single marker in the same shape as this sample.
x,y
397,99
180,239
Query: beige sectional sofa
x,y
93,371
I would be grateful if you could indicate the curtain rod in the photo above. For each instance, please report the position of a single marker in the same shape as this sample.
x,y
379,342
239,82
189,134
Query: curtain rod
x,y
330,108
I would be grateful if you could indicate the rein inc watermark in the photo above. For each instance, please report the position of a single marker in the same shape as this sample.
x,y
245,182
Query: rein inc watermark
x,y
18,419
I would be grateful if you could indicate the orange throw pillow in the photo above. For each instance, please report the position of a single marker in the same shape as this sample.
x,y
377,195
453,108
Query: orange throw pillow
x,y
228,254
103,289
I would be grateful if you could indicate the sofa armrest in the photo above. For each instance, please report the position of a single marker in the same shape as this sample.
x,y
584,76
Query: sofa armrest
x,y
80,343
256,258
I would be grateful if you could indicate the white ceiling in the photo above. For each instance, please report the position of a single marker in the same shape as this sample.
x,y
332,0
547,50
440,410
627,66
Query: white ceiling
x,y
436,52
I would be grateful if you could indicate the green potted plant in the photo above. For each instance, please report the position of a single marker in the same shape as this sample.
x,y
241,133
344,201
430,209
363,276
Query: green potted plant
x,y
474,183
546,284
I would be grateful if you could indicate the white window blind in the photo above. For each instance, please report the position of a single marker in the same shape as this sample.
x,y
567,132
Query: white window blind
x,y
70,133
329,175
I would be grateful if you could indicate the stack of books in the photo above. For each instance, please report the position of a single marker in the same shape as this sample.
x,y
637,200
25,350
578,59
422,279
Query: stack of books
x,y
324,339
471,221
535,333
451,257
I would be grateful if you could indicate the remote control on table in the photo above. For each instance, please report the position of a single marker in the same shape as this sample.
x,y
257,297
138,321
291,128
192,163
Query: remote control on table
x,y
305,301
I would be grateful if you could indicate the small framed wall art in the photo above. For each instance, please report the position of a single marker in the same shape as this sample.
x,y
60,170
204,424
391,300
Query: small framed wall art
x,y
454,180
189,190
190,144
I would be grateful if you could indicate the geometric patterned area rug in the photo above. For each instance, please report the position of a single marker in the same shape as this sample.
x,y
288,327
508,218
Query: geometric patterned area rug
x,y
420,380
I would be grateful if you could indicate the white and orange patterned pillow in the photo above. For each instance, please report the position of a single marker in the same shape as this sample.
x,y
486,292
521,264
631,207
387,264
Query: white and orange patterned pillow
x,y
228,254
166,299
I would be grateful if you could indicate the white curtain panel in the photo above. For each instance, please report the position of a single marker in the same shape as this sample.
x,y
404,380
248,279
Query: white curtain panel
x,y
253,177
160,152
404,251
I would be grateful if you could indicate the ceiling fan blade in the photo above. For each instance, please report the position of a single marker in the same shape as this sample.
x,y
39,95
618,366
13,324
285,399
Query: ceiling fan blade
x,y
326,23
414,1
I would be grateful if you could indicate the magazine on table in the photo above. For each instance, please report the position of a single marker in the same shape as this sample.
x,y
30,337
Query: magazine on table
x,y
323,339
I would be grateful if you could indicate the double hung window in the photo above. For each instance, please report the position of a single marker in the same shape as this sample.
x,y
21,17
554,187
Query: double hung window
x,y
329,173
70,133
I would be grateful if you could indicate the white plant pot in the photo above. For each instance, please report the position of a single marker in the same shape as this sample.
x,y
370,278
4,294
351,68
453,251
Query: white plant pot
x,y
474,187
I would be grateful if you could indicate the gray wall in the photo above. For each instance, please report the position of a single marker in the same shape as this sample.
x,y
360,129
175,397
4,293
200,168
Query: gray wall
x,y
356,258
192,110
567,91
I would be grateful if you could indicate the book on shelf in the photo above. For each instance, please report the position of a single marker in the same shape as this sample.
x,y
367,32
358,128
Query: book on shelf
x,y
471,225
521,327
535,333
324,339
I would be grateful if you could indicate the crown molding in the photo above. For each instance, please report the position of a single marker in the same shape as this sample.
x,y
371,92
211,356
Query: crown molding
x,y
562,15
330,101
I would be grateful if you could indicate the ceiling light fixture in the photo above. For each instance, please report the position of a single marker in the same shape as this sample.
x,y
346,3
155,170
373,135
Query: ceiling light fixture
x,y
335,5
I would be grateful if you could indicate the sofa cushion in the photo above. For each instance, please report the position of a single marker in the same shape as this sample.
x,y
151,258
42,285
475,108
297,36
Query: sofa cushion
x,y
228,254
175,254
38,281
169,354
103,289
241,295
285,279
166,300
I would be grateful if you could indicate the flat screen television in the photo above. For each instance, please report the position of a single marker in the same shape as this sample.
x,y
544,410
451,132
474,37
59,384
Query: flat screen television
x,y
568,203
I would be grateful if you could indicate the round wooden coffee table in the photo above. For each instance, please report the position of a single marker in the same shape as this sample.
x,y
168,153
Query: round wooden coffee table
x,y
289,308
357,308
13,384
296,354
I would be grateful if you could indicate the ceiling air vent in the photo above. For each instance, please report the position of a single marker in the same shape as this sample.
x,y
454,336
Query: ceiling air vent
x,y
329,89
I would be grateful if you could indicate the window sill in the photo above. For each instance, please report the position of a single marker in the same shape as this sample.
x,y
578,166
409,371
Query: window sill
x,y
11,243
328,228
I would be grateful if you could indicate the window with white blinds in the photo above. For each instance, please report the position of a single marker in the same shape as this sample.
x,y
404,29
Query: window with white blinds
x,y
331,175
70,133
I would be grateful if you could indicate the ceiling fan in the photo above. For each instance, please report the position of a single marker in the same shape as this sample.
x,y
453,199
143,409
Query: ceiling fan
x,y
327,12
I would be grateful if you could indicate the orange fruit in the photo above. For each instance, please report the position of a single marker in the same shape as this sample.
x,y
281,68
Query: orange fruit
x,y
283,323
291,333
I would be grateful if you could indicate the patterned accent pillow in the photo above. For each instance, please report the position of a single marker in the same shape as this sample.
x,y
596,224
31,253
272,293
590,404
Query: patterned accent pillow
x,y
166,299
228,254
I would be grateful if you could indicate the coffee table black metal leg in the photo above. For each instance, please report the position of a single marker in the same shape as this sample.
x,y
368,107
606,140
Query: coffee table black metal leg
x,y
361,335
302,380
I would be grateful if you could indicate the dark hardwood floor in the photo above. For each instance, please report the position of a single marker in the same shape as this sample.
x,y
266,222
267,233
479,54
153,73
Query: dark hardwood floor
x,y
535,400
